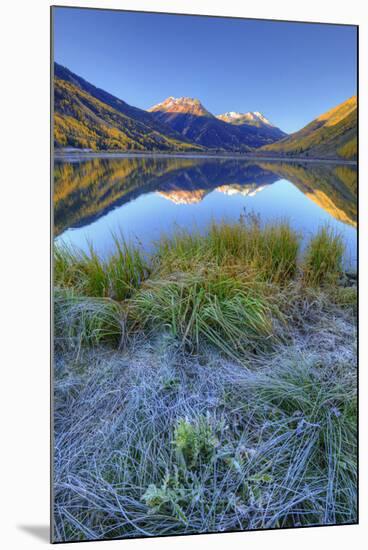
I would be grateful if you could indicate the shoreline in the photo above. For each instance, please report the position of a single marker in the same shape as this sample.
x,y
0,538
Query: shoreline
x,y
85,155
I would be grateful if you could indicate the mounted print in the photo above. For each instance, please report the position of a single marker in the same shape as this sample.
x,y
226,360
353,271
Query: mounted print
x,y
204,370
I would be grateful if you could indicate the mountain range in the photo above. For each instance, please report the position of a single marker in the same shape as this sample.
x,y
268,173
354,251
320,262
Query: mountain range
x,y
193,121
87,117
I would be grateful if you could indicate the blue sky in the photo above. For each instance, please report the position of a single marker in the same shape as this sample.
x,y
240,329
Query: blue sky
x,y
291,72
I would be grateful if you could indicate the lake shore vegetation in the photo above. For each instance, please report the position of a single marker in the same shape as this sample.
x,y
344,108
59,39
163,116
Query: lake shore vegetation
x,y
207,387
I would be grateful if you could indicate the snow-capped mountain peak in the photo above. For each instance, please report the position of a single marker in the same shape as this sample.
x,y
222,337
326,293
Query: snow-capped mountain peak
x,y
243,118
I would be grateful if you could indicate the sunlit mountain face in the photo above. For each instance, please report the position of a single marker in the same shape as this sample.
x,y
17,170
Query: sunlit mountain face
x,y
187,105
87,190
235,189
255,118
331,135
230,131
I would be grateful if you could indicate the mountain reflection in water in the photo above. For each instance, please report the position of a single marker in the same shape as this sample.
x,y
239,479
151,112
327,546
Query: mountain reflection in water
x,y
87,190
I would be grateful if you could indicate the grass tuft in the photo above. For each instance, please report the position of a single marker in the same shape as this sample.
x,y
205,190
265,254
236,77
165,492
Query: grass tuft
x,y
206,307
269,253
116,277
83,321
323,257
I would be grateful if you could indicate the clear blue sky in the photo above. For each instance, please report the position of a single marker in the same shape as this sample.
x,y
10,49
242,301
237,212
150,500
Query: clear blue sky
x,y
291,72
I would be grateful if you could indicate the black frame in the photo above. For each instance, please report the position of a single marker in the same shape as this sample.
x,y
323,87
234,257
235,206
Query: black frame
x,y
52,7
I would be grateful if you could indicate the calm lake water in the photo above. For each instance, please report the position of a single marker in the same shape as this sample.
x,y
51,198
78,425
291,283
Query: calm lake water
x,y
144,197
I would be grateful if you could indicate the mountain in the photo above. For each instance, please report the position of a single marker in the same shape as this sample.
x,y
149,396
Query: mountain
x,y
256,124
182,196
169,108
251,118
249,190
193,121
331,135
88,117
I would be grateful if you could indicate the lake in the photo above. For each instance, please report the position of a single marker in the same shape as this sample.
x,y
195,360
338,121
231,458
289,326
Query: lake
x,y
147,196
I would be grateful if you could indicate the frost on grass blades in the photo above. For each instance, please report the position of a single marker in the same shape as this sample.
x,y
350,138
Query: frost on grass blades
x,y
204,374
214,396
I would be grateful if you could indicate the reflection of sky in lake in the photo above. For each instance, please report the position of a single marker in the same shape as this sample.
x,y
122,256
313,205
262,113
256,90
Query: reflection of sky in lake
x,y
148,216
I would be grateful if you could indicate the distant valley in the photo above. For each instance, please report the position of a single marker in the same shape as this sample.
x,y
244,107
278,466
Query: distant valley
x,y
89,118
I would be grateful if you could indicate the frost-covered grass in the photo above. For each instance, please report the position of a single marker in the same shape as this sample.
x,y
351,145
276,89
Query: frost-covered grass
x,y
153,441
211,387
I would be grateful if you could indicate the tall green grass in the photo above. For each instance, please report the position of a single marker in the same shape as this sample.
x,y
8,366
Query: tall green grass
x,y
89,275
323,257
269,253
